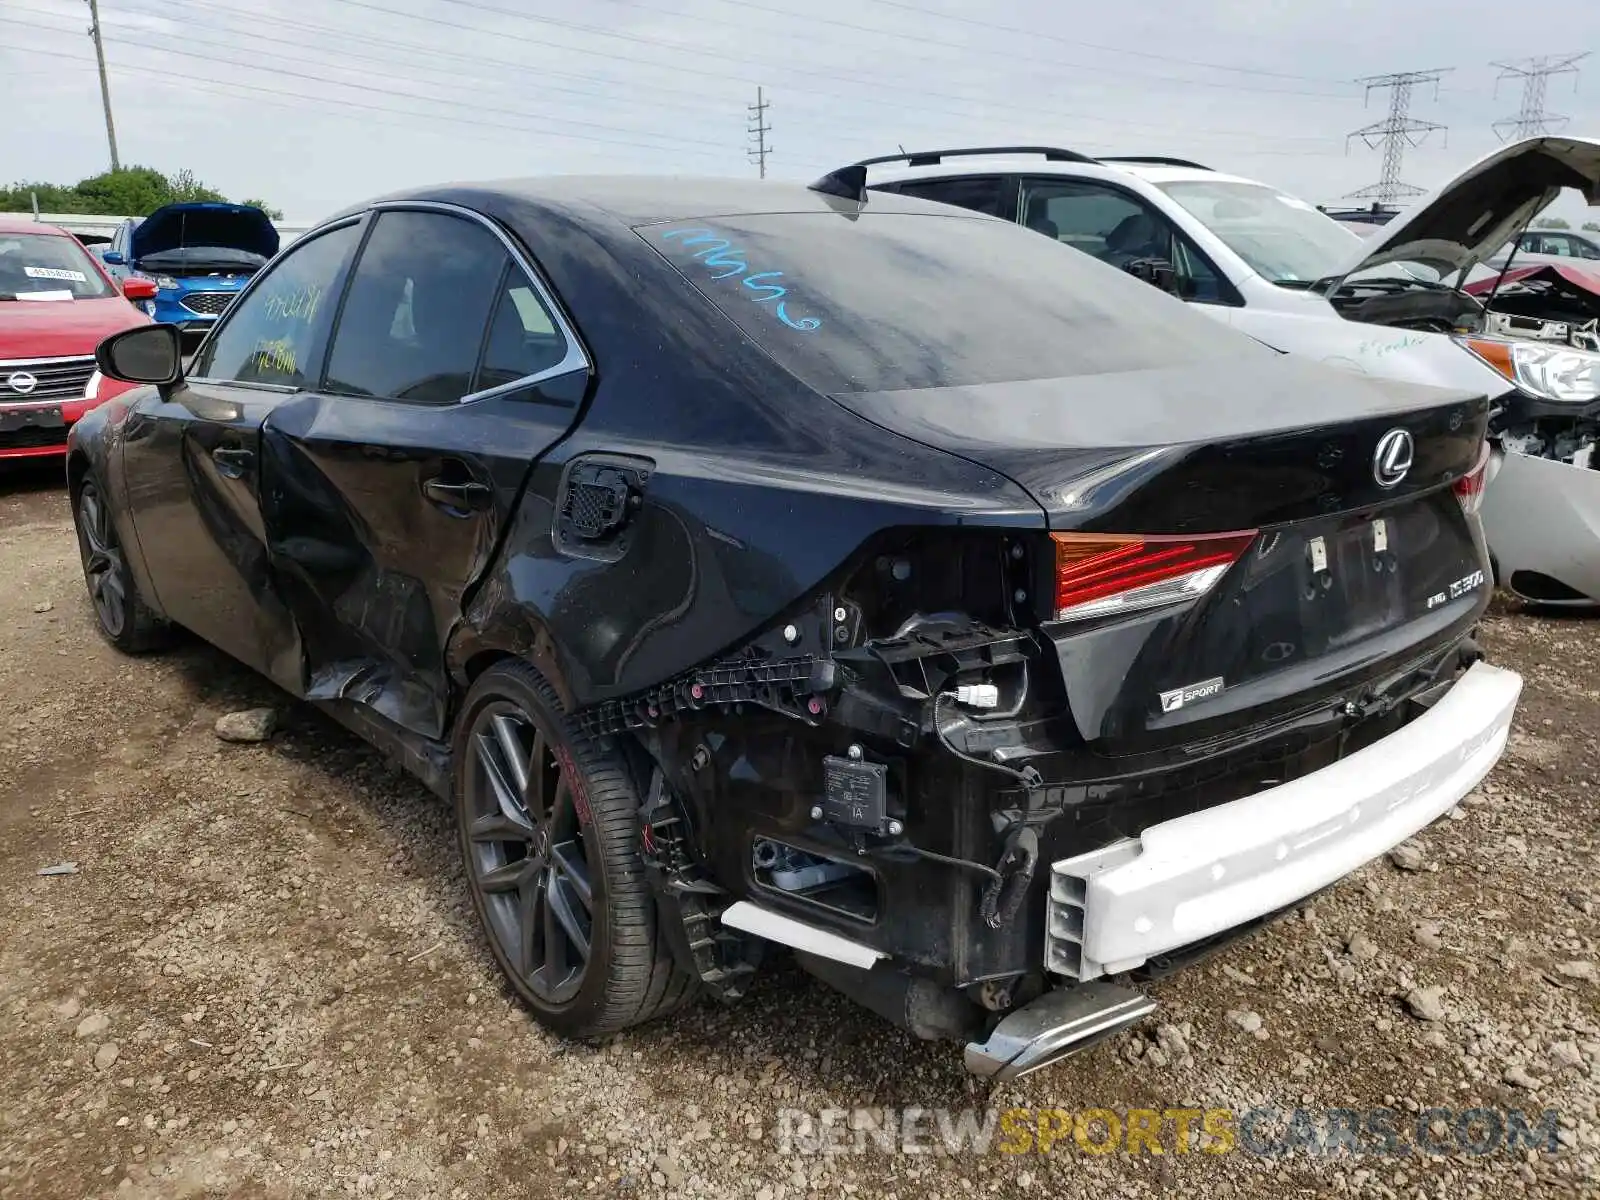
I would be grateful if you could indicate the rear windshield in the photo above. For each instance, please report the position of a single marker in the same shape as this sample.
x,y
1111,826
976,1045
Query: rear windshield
x,y
41,266
883,302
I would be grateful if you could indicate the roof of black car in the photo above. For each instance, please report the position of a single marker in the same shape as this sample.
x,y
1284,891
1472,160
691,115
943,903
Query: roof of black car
x,y
641,199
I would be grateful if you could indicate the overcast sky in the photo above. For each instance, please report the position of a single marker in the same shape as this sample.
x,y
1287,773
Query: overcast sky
x,y
315,105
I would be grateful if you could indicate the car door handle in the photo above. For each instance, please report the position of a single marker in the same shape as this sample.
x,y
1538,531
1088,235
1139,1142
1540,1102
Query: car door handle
x,y
457,495
231,461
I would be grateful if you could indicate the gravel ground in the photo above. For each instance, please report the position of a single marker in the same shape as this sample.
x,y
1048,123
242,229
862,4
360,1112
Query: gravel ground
x,y
264,979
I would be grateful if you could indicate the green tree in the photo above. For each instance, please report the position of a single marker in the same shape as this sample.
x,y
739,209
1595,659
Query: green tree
x,y
129,192
275,214
1551,223
184,186
1592,226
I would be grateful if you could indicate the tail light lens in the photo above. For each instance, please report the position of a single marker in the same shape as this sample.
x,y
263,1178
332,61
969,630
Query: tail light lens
x,y
1469,488
1098,574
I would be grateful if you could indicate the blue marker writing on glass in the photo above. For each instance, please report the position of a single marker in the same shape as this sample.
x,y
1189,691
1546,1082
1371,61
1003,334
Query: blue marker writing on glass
x,y
719,252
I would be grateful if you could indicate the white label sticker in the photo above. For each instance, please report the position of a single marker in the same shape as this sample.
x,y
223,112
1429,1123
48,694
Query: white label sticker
x,y
55,273
1380,535
63,295
1319,554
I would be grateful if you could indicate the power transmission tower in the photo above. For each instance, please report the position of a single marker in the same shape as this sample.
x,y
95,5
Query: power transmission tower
x,y
758,130
1395,132
105,85
1532,120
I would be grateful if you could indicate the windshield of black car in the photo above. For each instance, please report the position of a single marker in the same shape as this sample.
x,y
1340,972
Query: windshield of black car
x,y
40,266
203,256
883,301
1282,238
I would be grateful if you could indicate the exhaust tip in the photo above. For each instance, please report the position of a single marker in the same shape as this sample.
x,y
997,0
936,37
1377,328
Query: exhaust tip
x,y
1057,1025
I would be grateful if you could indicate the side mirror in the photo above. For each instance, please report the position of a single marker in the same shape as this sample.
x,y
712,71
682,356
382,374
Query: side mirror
x,y
143,354
139,289
112,258
1155,271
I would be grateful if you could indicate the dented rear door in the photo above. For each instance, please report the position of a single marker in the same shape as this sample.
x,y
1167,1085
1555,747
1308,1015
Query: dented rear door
x,y
388,490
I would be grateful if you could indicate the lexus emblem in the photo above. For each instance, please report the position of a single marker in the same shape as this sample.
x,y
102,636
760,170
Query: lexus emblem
x,y
21,382
1393,457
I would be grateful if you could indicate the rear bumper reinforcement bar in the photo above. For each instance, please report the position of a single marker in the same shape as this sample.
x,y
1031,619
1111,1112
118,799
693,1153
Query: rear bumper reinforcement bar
x,y
1197,875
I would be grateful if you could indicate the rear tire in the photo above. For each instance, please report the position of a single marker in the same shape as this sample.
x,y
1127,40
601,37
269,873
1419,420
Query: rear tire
x,y
549,830
121,614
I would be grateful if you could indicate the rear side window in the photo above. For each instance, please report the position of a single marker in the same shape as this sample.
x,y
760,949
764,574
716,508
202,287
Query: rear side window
x,y
979,193
880,302
523,340
418,309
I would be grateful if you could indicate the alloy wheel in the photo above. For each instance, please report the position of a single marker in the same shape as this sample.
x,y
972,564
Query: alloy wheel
x,y
527,852
103,567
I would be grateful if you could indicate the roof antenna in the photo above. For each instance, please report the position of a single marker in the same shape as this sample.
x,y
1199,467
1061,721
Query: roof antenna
x,y
848,183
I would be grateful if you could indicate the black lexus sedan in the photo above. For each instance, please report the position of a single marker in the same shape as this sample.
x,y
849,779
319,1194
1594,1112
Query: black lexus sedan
x,y
755,566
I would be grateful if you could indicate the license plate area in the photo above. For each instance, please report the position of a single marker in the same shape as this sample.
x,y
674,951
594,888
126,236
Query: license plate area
x,y
14,419
1361,587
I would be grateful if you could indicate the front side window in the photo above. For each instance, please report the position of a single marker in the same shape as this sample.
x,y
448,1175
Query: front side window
x,y
419,305
1116,228
38,266
270,335
1283,239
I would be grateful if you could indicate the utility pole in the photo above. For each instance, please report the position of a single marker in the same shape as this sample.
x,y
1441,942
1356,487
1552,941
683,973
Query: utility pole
x,y
105,85
1395,133
1532,120
758,130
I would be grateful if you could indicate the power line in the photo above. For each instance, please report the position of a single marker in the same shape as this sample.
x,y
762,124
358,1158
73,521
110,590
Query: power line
x,y
1012,55
923,12
474,106
1395,132
105,86
899,96
1532,120
877,82
759,130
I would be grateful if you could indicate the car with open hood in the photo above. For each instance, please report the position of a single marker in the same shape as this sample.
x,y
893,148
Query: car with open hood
x,y
751,567
56,305
199,254
1396,303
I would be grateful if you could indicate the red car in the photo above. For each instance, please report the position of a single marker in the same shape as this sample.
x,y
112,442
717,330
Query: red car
x,y
56,303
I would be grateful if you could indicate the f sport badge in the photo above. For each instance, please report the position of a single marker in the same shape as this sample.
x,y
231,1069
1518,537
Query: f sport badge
x,y
1178,697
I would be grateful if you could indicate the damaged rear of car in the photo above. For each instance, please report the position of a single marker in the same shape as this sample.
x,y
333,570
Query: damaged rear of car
x,y
775,568
1011,759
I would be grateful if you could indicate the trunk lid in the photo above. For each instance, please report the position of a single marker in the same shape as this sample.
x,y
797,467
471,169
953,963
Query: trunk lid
x,y
1356,567
1211,447
1483,208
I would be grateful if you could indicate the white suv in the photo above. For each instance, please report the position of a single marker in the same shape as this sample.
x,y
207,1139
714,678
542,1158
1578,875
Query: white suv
x,y
1396,304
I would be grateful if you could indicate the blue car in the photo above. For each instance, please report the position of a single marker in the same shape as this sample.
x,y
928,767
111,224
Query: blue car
x,y
198,254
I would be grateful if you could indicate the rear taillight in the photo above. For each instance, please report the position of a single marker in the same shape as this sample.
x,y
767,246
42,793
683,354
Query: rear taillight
x,y
1098,574
1469,488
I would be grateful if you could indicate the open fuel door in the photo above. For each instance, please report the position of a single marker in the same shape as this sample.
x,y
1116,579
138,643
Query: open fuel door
x,y
388,489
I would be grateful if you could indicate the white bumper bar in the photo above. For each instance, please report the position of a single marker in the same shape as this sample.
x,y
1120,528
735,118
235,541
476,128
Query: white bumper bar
x,y
1186,879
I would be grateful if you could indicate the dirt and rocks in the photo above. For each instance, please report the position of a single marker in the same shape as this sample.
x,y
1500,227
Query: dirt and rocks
x,y
264,980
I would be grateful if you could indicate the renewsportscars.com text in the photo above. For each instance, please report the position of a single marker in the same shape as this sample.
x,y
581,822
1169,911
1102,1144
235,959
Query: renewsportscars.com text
x,y
1264,1131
